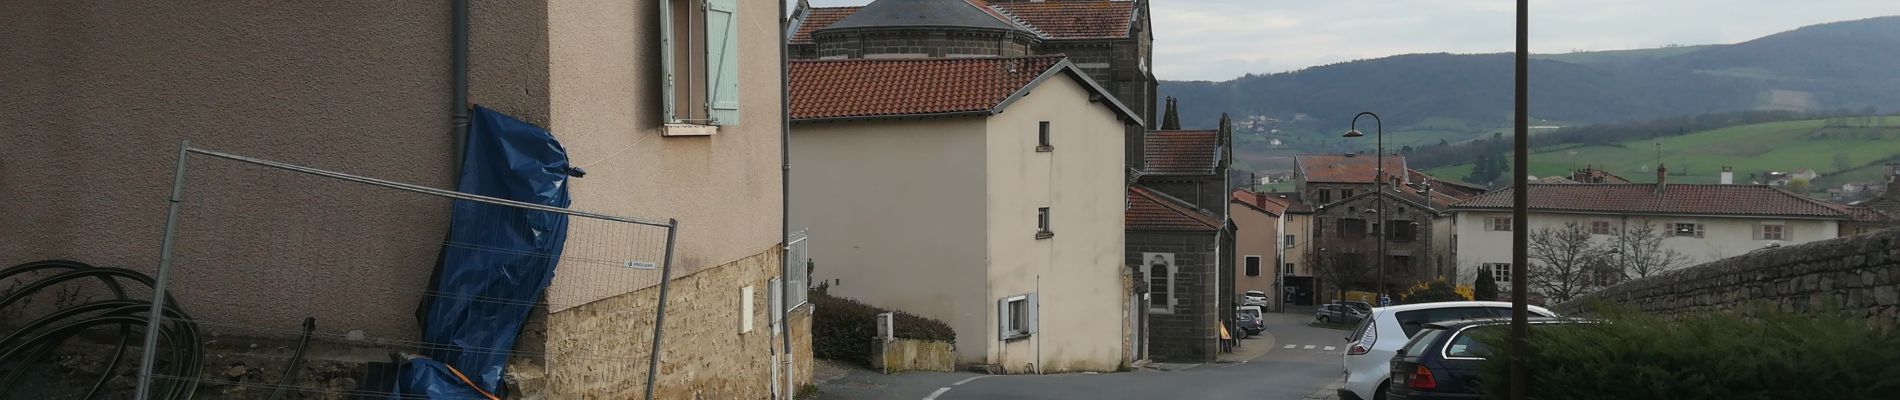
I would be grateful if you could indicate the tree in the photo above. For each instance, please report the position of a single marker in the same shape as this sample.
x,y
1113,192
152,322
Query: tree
x,y
1486,170
1637,251
1344,271
1486,288
1565,262
1431,292
1798,185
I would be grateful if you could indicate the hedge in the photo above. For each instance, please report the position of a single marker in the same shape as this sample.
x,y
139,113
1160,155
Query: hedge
x,y
845,329
1748,354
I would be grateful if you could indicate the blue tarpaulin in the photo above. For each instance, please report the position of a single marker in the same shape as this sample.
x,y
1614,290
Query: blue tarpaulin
x,y
496,262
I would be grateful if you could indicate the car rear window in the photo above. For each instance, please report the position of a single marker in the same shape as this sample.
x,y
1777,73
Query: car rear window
x,y
1360,330
1420,343
1412,321
1466,344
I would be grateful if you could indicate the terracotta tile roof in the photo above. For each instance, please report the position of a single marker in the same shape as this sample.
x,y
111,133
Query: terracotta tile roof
x,y
1182,152
1675,199
1272,204
819,18
1075,19
1337,168
887,87
1149,210
1867,214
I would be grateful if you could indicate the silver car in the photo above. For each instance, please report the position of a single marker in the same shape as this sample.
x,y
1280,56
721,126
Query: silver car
x,y
1338,313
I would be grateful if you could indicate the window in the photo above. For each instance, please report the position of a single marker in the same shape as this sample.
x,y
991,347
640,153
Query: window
x,y
1420,343
1042,224
1404,231
1344,193
1160,287
1319,227
1598,228
1325,196
1042,137
1253,265
699,60
1352,228
1771,232
1412,321
1288,271
1467,345
1016,317
1501,224
1289,241
1500,272
1378,230
1686,229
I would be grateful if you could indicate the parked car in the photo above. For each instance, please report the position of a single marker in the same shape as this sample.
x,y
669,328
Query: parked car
x,y
1331,313
1442,361
1248,318
1368,359
1363,307
1255,298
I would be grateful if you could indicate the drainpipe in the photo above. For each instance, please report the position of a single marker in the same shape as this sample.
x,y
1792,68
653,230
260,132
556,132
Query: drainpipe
x,y
459,71
785,196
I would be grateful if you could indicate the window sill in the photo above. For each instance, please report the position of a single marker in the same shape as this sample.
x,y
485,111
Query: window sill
x,y
1045,235
1045,149
1016,337
688,130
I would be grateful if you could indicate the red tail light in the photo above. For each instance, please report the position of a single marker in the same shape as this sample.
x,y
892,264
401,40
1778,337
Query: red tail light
x,y
1421,379
1356,350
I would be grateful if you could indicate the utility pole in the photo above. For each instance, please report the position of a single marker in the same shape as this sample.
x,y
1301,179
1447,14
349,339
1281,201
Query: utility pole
x,y
1520,211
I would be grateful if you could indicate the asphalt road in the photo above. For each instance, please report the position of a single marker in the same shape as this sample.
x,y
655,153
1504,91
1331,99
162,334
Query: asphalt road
x,y
1282,373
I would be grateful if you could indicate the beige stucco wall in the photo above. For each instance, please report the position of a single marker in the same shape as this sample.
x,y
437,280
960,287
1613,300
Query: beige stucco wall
x,y
604,79
1300,226
1723,236
98,95
1259,236
895,211
1076,273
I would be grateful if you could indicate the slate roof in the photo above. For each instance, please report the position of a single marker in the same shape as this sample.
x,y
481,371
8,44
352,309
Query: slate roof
x,y
1339,168
1673,199
890,87
1182,152
1075,20
819,18
944,13
1149,210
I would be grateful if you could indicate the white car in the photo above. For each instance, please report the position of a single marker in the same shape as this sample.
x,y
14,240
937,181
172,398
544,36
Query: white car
x,y
1255,298
1368,359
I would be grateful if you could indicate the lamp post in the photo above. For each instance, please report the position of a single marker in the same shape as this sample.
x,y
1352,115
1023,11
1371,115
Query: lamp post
x,y
1378,186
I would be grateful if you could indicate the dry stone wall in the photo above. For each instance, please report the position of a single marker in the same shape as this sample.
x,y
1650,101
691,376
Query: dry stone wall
x,y
1859,274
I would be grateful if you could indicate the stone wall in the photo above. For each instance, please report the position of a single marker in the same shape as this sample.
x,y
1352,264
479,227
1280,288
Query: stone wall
x,y
905,355
599,350
1188,332
1860,274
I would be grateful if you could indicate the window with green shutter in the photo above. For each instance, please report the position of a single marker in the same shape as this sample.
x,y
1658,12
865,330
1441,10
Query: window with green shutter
x,y
699,61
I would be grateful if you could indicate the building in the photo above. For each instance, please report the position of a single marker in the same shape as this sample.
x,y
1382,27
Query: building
x,y
1880,212
1257,226
1300,287
1699,221
992,206
367,88
1345,226
1110,40
1174,247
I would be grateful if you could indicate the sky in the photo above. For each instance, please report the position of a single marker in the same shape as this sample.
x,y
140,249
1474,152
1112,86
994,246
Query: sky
x,y
1224,39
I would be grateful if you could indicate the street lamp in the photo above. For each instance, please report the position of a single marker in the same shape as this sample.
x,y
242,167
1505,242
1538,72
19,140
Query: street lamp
x,y
1378,185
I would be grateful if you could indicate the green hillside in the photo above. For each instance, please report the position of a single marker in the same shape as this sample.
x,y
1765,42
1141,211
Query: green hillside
x,y
1839,154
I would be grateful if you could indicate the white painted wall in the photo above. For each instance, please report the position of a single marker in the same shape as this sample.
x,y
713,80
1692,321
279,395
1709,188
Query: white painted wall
x,y
1723,236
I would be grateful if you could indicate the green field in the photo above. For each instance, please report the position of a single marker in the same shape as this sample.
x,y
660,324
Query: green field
x,y
1699,157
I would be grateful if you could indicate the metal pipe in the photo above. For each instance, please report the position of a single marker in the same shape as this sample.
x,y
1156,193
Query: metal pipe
x,y
659,318
157,314
785,200
1520,209
459,73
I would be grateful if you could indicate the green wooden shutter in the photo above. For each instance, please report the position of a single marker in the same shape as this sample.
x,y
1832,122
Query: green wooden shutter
x,y
722,61
666,63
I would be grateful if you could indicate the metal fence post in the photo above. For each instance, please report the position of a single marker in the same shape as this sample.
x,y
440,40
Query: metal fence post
x,y
659,317
157,315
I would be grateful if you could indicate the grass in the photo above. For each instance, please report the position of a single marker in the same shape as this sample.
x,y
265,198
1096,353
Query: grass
x,y
1699,157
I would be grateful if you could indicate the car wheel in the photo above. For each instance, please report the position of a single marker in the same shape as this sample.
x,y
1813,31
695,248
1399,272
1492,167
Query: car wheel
x,y
1379,394
1324,320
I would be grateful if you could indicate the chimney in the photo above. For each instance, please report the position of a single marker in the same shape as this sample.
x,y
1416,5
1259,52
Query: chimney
x,y
1662,177
1260,199
1728,175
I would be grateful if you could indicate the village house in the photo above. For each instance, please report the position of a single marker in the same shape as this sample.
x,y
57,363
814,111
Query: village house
x,y
994,207
664,128
1257,224
1702,222
1346,226
1880,212
1184,172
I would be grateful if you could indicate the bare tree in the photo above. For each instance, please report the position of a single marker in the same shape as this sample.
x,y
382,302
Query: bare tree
x,y
1342,269
1565,262
1639,252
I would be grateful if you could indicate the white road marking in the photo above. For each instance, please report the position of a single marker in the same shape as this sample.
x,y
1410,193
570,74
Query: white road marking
x,y
939,392
1308,347
1330,348
1290,346
961,382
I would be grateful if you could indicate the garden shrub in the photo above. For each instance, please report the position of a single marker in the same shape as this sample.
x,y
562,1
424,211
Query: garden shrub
x,y
1433,291
846,329
1749,354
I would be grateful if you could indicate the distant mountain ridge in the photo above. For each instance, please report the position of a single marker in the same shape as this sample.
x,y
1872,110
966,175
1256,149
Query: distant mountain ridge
x,y
1851,65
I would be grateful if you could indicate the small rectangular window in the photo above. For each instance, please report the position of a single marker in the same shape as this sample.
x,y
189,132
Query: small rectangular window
x,y
1500,272
1042,137
1325,196
1288,271
1686,229
1599,227
1501,224
1289,241
1773,232
1016,317
1344,193
1253,265
1042,223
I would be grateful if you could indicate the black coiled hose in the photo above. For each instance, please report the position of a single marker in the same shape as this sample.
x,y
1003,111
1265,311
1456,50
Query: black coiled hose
x,y
182,353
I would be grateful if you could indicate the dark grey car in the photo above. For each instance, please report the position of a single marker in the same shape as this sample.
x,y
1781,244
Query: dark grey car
x,y
1338,313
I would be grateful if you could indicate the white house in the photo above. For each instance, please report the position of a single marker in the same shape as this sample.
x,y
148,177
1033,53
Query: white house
x,y
1702,222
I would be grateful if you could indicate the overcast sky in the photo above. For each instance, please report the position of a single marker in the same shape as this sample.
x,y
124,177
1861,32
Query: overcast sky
x,y
1223,39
